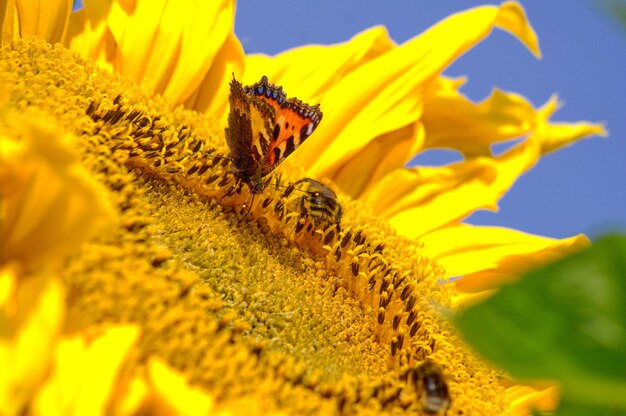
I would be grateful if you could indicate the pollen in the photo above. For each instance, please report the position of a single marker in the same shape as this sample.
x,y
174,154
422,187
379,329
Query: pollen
x,y
241,292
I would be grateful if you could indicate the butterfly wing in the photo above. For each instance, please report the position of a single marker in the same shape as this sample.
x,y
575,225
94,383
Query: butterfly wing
x,y
293,123
250,122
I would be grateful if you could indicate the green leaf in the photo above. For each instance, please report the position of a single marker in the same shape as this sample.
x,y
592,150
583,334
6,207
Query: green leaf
x,y
615,9
569,408
565,322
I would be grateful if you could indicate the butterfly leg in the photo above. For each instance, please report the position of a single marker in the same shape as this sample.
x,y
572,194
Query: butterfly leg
x,y
232,190
248,206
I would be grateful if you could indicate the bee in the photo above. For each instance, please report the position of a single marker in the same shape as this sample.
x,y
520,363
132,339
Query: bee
x,y
318,203
432,388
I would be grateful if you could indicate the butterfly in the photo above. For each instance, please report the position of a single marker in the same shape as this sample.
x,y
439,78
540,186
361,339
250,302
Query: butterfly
x,y
264,128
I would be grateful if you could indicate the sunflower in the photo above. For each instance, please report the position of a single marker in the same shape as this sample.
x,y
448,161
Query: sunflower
x,y
165,295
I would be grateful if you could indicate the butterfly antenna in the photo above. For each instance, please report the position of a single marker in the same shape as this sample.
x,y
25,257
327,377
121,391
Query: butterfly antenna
x,y
288,189
218,157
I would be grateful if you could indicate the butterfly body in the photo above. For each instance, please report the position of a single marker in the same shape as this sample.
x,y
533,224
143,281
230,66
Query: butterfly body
x,y
264,128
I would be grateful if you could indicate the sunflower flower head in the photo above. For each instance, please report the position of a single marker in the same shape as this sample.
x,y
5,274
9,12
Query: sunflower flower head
x,y
202,297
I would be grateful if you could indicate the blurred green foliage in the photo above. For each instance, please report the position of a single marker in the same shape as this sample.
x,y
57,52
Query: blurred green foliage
x,y
563,322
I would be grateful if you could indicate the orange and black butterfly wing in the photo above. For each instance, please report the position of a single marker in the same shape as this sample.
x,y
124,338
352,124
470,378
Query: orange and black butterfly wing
x,y
250,122
293,123
270,93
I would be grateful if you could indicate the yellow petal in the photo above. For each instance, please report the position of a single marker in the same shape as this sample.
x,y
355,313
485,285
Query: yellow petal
x,y
25,351
211,95
86,374
184,50
487,257
135,394
462,299
173,393
50,203
47,20
452,121
512,18
386,93
89,35
7,287
563,134
293,70
554,136
8,21
169,46
199,48
525,398
387,150
418,200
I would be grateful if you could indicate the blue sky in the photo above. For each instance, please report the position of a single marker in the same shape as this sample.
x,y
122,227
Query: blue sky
x,y
579,189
